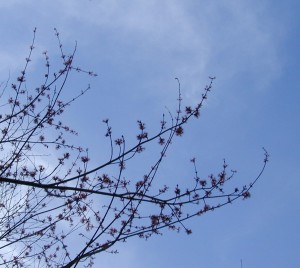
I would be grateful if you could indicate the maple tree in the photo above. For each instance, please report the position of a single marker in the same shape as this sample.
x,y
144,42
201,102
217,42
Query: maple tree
x,y
50,194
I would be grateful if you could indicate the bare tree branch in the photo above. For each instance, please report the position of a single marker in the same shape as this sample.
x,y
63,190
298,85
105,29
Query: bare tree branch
x,y
43,208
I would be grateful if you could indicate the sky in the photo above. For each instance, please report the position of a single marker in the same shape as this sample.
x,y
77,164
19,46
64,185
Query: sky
x,y
137,48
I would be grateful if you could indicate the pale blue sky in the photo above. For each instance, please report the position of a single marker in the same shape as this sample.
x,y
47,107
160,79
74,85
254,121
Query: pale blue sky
x,y
138,48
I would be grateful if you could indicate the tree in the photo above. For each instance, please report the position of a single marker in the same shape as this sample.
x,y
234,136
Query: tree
x,y
45,206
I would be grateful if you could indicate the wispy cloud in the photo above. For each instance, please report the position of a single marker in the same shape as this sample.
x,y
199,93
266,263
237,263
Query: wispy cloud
x,y
190,39
194,40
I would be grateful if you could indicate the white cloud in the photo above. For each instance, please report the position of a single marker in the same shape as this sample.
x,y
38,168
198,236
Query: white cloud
x,y
190,39
227,38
